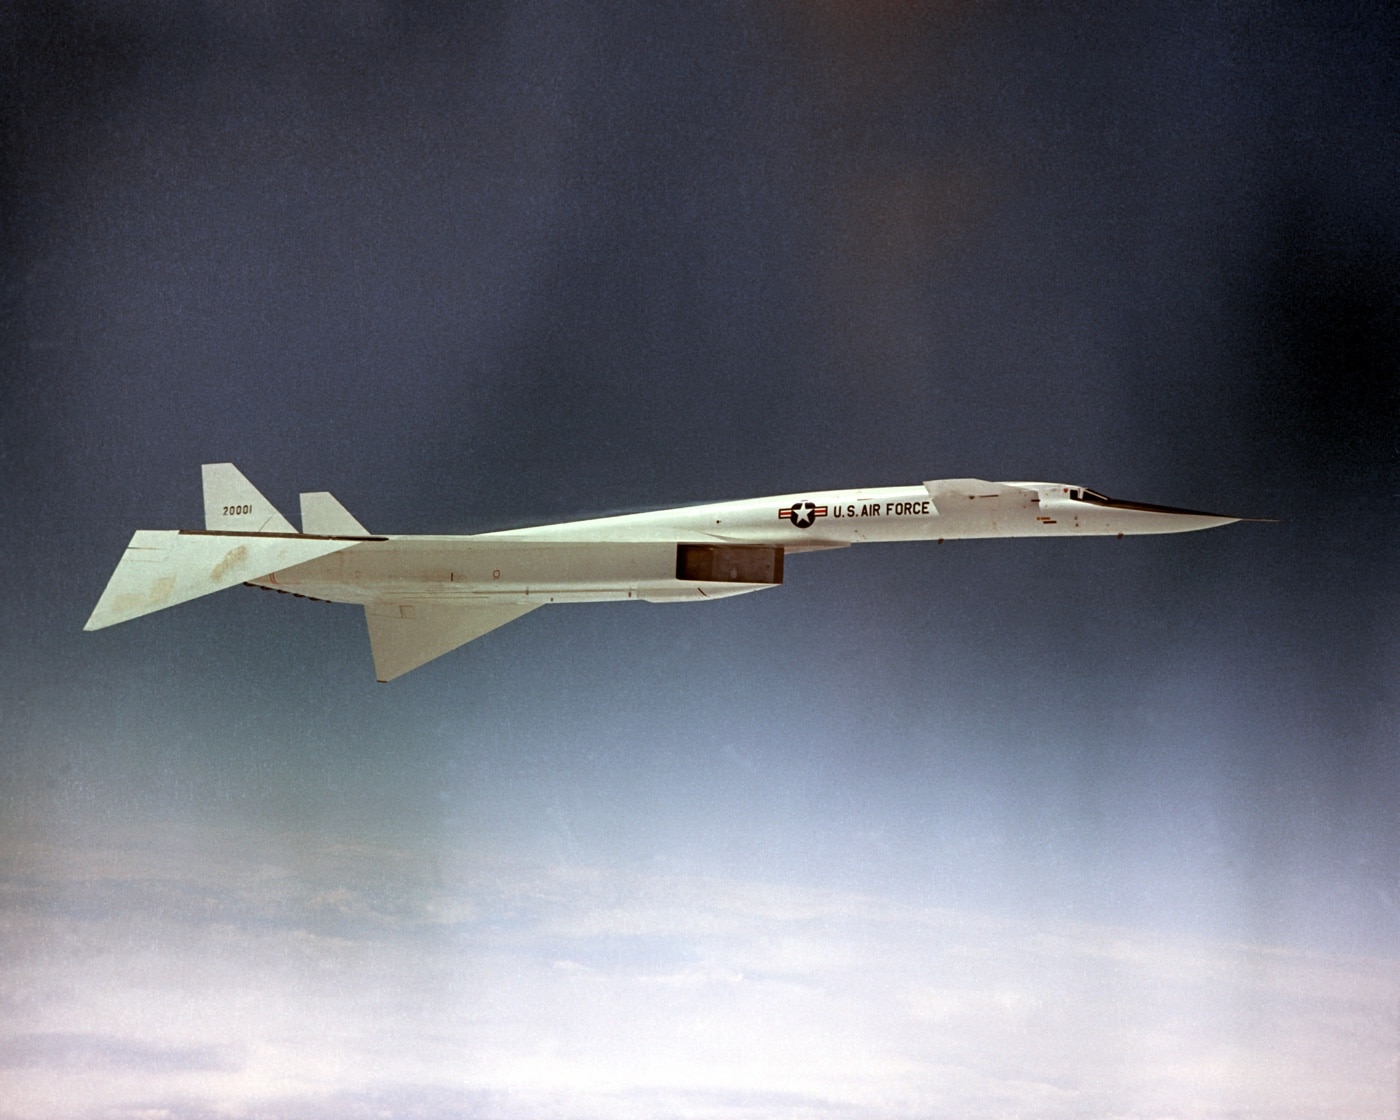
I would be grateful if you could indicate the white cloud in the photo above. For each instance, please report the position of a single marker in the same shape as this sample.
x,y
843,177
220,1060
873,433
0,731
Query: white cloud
x,y
228,975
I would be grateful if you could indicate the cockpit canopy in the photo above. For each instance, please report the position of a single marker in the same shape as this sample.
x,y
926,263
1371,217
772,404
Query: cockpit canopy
x,y
1058,492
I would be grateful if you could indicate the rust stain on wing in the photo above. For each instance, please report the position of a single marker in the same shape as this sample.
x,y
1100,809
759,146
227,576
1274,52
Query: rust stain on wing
x,y
234,556
152,599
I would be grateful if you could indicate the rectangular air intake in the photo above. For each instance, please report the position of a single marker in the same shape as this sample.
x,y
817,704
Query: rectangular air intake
x,y
704,563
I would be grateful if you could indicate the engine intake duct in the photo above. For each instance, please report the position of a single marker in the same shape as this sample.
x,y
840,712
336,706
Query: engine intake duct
x,y
705,563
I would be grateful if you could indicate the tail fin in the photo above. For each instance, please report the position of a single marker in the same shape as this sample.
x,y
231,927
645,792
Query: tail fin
x,y
245,537
233,504
323,516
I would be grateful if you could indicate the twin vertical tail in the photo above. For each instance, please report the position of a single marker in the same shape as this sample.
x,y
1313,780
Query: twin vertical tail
x,y
323,516
244,538
232,504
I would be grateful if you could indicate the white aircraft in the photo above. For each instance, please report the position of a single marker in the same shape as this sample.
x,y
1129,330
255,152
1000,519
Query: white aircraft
x,y
426,595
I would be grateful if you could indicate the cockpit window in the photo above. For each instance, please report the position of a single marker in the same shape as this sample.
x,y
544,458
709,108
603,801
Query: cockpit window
x,y
1081,494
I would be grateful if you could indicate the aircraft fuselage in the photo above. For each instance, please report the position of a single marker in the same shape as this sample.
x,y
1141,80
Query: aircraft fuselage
x,y
643,555
426,595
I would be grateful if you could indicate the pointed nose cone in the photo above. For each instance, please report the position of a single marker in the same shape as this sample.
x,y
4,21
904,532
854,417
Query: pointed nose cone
x,y
1142,517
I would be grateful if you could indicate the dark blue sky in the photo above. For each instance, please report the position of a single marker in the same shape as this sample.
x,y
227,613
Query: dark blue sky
x,y
478,266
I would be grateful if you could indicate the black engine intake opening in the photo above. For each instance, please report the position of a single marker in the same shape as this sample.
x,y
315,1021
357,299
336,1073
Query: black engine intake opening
x,y
705,563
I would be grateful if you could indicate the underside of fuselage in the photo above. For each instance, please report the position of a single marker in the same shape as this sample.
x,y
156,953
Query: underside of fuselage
x,y
472,570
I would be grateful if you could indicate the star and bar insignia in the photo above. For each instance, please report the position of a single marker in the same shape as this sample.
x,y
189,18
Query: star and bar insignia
x,y
802,514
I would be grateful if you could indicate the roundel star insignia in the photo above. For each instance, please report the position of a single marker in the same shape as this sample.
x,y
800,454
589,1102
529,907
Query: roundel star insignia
x,y
803,514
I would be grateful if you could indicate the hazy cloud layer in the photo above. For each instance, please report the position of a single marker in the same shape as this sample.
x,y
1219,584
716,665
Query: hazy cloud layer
x,y
211,977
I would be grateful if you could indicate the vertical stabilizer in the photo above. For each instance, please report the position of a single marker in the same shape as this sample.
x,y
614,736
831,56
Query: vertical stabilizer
x,y
323,516
232,504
